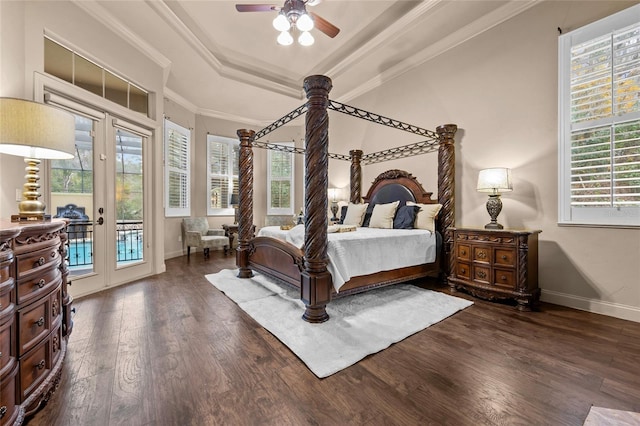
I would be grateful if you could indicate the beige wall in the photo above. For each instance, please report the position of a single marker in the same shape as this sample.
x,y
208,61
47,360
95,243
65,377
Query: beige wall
x,y
501,90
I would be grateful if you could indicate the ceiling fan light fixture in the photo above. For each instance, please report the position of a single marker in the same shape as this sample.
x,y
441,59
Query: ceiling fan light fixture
x,y
285,38
306,39
281,23
304,22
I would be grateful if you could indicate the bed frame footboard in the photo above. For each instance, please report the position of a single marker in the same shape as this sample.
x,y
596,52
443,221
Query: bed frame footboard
x,y
267,252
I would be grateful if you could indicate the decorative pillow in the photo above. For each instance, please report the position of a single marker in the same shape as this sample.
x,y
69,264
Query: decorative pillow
x,y
343,213
405,217
355,214
367,215
425,219
382,215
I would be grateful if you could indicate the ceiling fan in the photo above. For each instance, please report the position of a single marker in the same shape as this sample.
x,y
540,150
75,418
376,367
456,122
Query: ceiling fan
x,y
293,14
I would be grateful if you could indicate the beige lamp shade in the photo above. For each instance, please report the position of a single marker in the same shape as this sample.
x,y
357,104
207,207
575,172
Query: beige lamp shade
x,y
333,194
34,130
494,180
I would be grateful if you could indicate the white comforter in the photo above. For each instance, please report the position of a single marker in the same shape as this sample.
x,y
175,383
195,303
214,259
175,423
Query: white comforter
x,y
366,250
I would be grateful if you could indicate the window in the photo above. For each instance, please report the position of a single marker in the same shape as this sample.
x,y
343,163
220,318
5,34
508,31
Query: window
x,y
280,181
177,156
599,135
222,169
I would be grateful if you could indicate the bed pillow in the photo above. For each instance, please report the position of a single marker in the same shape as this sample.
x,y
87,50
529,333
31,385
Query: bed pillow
x,y
425,219
343,213
405,217
355,214
383,214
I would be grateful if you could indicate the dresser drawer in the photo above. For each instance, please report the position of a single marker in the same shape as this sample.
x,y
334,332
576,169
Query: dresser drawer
x,y
464,252
8,401
37,286
6,299
7,349
482,254
37,261
506,257
504,278
481,274
34,323
35,367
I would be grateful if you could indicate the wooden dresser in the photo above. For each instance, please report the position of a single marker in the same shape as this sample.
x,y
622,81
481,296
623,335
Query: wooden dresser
x,y
495,264
35,319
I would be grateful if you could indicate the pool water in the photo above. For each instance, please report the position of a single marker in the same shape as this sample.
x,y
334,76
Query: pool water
x,y
81,252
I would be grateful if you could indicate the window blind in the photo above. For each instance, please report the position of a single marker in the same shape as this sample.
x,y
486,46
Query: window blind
x,y
177,177
222,165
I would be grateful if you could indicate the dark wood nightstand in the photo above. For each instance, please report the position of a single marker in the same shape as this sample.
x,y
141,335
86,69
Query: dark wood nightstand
x,y
495,264
232,230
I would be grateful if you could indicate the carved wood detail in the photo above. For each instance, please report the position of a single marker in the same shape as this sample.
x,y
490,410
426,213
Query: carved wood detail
x,y
355,176
245,208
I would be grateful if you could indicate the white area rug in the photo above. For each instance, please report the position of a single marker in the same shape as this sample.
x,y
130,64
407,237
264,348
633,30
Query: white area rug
x,y
359,325
599,416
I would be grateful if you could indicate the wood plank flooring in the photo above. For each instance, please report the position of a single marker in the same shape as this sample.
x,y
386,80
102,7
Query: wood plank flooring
x,y
173,350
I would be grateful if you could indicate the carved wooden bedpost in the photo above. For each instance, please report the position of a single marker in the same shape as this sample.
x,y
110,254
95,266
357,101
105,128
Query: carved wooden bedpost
x,y
356,176
315,286
446,190
245,210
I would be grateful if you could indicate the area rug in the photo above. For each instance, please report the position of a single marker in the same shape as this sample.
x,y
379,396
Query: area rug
x,y
359,325
599,416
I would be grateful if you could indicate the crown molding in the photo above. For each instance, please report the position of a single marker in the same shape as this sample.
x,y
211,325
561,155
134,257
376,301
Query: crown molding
x,y
447,43
232,117
180,100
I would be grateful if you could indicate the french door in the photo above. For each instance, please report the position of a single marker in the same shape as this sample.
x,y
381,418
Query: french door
x,y
102,193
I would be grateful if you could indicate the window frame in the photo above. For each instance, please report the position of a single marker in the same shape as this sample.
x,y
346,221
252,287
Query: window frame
x,y
185,209
231,143
614,216
280,210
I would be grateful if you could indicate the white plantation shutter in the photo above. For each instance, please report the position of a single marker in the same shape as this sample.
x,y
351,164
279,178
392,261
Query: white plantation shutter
x,y
222,179
280,181
600,122
177,159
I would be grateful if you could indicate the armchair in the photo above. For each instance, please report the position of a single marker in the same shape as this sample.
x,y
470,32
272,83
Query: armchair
x,y
196,233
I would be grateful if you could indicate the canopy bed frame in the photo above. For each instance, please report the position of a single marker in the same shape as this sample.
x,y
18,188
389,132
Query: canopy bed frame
x,y
307,268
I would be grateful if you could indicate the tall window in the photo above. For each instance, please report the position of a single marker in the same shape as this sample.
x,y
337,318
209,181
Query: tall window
x,y
177,156
222,167
280,181
599,81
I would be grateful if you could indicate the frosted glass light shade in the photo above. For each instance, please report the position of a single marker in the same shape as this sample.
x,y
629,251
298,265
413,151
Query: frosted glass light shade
x,y
306,39
333,194
285,38
494,180
34,130
304,23
281,23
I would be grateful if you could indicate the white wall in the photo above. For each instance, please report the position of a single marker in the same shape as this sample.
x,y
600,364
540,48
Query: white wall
x,y
501,90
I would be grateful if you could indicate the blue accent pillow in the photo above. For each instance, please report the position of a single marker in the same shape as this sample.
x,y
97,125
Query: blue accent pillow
x,y
343,213
405,217
367,215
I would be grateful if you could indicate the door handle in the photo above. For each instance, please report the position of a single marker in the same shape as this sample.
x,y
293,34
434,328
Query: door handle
x,y
100,221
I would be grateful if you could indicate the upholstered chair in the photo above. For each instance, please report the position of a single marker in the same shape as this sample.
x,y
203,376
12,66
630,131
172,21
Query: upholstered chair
x,y
197,234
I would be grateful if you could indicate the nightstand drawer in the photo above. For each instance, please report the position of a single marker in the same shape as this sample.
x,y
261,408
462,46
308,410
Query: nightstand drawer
x,y
504,278
505,257
481,274
464,252
481,254
463,270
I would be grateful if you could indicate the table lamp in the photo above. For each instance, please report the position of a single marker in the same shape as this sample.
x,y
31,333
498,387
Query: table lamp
x,y
494,181
333,194
35,131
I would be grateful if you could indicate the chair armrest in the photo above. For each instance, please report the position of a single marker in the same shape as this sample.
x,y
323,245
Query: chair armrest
x,y
193,238
218,232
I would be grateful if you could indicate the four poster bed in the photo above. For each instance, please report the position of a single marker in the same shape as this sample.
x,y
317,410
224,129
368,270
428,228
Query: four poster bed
x,y
306,267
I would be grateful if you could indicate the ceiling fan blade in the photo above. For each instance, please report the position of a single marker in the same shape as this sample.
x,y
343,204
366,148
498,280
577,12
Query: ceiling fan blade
x,y
256,7
325,26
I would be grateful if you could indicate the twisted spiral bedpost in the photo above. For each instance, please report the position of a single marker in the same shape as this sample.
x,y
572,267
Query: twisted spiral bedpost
x,y
245,208
356,176
446,190
316,280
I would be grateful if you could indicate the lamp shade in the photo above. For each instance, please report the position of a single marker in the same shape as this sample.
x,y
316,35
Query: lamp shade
x,y
234,199
34,130
333,193
494,180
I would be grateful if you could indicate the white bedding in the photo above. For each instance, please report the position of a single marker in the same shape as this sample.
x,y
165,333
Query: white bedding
x,y
366,250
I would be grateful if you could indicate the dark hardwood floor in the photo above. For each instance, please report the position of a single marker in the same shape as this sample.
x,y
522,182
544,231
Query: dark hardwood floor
x,y
173,350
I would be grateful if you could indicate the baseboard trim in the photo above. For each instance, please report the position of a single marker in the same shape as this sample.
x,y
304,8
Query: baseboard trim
x,y
616,310
175,254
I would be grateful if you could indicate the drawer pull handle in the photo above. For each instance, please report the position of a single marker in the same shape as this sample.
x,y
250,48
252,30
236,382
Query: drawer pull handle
x,y
40,322
504,257
503,278
41,261
41,283
40,365
463,252
53,254
482,274
0,354
3,411
482,254
463,270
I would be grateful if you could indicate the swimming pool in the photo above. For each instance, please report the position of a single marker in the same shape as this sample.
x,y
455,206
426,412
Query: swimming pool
x,y
81,251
